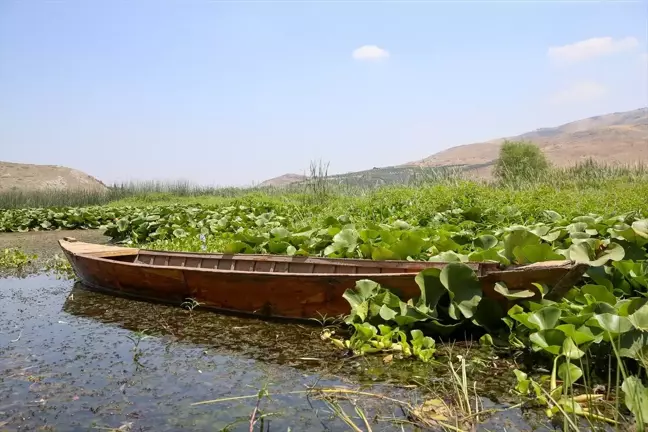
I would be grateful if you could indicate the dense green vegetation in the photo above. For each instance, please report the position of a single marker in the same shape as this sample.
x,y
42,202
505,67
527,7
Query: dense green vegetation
x,y
595,335
520,162
319,184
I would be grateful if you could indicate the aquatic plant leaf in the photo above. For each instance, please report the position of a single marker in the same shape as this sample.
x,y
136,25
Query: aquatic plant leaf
x,y
386,313
626,307
571,350
345,241
640,319
634,344
641,228
449,256
611,323
552,215
489,315
363,290
429,282
485,242
409,245
545,318
636,398
278,247
518,238
580,336
464,288
436,327
533,253
551,340
501,288
379,253
523,383
600,293
365,331
569,373
402,225
280,232
122,224
362,310
587,252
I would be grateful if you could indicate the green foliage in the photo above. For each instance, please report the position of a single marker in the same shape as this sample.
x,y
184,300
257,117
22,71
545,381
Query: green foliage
x,y
520,162
15,259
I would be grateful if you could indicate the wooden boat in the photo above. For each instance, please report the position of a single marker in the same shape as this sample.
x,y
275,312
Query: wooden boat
x,y
277,286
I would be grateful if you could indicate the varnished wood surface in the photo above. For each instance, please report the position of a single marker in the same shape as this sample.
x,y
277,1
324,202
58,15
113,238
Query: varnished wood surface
x,y
269,285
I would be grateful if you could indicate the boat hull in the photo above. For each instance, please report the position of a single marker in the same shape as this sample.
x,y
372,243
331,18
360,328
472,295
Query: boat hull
x,y
298,295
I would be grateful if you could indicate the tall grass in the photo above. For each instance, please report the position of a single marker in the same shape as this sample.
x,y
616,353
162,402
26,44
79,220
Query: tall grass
x,y
320,187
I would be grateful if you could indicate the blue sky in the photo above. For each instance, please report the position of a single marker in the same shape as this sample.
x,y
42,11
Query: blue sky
x,y
228,93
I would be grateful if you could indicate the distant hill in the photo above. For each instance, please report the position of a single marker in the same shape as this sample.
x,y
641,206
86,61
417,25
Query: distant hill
x,y
613,138
28,177
617,138
283,180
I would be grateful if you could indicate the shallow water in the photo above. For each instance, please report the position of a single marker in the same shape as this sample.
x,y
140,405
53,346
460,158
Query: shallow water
x,y
71,360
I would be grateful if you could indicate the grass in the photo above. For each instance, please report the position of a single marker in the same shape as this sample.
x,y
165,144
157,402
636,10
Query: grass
x,y
589,183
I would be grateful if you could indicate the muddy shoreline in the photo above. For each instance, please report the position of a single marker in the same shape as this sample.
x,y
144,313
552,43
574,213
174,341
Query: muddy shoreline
x,y
45,243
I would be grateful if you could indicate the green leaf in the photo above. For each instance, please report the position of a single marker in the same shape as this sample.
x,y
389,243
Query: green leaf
x,y
641,228
529,254
345,241
569,373
580,336
122,225
362,310
379,253
438,328
612,323
363,291
408,246
485,242
636,398
640,319
386,313
570,350
518,238
545,318
634,344
400,224
278,247
501,288
551,340
600,293
429,281
489,315
464,288
280,232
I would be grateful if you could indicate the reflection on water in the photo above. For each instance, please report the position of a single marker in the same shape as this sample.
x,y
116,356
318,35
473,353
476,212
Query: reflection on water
x,y
73,360
67,362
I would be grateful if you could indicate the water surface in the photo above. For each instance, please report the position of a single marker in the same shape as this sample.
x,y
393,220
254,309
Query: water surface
x,y
76,360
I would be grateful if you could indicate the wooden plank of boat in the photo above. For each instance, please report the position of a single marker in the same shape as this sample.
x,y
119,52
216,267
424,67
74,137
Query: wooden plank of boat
x,y
276,286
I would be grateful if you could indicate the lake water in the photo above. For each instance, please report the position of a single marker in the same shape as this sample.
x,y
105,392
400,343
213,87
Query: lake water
x,y
72,360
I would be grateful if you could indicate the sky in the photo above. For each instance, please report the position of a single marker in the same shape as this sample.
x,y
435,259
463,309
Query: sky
x,y
232,93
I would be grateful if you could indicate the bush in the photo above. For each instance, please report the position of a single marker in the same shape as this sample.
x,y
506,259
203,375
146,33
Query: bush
x,y
520,162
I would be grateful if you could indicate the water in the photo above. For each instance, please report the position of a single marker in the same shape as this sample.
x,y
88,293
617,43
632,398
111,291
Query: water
x,y
74,360
68,361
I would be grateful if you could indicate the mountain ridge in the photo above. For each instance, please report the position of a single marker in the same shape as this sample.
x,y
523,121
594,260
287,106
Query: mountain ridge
x,y
615,138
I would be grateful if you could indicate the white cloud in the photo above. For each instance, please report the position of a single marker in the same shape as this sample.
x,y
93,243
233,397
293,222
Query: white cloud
x,y
591,48
586,91
370,52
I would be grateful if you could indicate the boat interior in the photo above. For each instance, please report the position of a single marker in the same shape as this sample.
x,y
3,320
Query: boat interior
x,y
252,262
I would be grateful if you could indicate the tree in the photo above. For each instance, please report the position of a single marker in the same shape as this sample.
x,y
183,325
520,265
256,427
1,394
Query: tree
x,y
520,161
